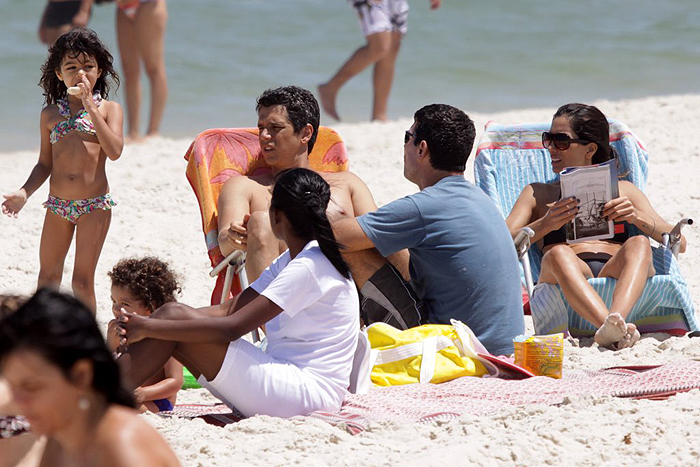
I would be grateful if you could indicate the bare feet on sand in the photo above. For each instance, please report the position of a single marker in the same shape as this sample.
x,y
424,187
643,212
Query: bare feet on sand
x,y
133,138
327,97
616,334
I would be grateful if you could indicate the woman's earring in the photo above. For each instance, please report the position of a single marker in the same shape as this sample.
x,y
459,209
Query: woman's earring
x,y
83,403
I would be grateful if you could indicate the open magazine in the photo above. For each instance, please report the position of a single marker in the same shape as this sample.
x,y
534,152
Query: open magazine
x,y
593,185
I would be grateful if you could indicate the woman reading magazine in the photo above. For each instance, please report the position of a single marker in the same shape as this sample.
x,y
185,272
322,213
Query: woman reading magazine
x,y
579,136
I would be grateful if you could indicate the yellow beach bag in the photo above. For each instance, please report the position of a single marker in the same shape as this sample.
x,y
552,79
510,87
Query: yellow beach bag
x,y
431,353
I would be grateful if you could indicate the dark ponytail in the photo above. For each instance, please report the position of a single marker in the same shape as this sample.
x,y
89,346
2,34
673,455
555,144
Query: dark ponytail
x,y
62,330
303,196
589,123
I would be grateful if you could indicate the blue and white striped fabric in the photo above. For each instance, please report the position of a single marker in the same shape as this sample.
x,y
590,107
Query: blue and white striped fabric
x,y
510,157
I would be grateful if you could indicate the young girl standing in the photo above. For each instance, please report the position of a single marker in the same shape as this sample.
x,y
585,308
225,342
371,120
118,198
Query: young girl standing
x,y
79,131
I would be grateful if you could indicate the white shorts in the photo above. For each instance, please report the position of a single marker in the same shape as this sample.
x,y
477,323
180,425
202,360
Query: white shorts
x,y
382,15
257,384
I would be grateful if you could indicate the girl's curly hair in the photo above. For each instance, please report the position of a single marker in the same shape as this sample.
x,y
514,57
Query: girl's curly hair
x,y
79,41
148,279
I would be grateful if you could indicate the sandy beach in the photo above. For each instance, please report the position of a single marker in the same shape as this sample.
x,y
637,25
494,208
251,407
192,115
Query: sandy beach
x,y
157,214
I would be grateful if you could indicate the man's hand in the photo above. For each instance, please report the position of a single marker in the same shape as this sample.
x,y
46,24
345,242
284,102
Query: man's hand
x,y
237,234
14,202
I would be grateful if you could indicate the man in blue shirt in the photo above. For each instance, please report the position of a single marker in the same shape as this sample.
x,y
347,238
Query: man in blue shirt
x,y
463,263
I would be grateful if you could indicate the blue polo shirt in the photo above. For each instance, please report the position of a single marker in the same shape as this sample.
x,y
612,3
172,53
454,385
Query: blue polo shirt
x,y
463,262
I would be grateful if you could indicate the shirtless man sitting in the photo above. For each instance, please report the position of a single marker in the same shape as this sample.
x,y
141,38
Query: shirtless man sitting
x,y
288,121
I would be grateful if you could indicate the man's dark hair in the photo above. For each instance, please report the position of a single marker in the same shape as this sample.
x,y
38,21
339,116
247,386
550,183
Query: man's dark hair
x,y
302,107
449,133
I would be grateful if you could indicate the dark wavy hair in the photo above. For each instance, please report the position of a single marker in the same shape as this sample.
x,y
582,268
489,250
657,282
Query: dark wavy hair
x,y
79,41
149,280
63,331
449,133
589,123
303,195
302,107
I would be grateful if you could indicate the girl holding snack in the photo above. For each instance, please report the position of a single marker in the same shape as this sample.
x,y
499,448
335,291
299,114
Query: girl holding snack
x,y
80,129
141,286
307,300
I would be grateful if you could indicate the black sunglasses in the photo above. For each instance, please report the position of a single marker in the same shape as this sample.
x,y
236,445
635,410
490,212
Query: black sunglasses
x,y
561,141
407,137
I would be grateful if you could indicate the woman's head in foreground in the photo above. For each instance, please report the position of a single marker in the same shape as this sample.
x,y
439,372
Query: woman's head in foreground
x,y
302,196
55,359
579,135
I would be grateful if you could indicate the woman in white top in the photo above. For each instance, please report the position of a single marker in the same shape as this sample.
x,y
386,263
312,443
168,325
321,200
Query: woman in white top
x,y
306,299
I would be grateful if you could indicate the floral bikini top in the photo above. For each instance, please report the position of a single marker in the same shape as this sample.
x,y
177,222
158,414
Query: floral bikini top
x,y
80,121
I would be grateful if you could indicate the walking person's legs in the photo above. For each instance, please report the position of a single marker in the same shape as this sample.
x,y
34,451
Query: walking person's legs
x,y
129,52
150,23
383,78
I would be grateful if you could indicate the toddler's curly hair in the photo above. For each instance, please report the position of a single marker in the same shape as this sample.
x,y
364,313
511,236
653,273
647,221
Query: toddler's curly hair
x,y
149,280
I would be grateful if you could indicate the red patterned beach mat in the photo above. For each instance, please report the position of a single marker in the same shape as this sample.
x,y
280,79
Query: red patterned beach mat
x,y
423,403
215,414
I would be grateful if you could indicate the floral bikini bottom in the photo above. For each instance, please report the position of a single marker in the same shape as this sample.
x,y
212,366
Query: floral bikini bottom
x,y
72,209
11,425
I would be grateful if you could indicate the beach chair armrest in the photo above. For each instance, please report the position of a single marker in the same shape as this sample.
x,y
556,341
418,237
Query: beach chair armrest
x,y
672,240
522,241
522,246
235,262
235,258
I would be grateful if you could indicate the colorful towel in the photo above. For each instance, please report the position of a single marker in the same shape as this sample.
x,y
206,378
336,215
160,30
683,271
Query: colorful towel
x,y
214,414
218,154
424,403
13,425
508,158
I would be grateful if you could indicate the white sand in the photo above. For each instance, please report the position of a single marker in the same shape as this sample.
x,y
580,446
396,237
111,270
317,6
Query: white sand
x,y
158,214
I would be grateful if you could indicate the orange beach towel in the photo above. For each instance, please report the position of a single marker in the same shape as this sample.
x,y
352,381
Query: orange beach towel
x,y
218,154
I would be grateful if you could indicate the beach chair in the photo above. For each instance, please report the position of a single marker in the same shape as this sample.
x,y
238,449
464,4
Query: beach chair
x,y
510,157
216,155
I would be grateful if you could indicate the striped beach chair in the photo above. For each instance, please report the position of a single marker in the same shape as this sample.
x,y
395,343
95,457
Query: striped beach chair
x,y
510,157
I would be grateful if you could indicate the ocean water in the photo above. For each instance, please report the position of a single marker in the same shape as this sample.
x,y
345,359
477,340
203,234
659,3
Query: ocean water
x,y
479,55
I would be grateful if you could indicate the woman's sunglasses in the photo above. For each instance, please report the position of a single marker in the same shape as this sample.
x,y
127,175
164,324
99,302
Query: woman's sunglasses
x,y
560,141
